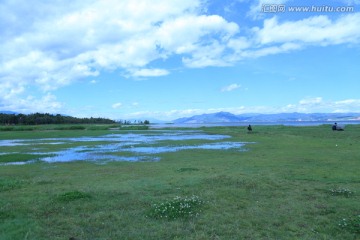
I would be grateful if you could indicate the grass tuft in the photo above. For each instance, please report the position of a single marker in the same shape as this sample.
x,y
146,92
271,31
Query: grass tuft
x,y
5,215
73,195
9,184
188,169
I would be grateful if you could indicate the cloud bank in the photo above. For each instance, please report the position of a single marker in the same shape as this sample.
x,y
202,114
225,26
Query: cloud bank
x,y
47,45
306,105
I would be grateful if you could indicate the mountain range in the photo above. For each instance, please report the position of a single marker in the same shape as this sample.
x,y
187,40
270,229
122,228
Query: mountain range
x,y
223,117
226,117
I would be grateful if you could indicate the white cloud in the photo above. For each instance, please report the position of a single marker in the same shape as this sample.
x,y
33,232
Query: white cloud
x,y
165,115
271,50
30,104
149,72
48,45
180,35
318,104
116,105
230,87
58,43
239,44
203,38
276,37
52,44
104,35
347,105
205,56
345,29
311,101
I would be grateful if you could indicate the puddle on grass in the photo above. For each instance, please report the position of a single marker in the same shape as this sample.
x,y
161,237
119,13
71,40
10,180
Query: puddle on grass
x,y
117,143
123,138
17,163
215,146
11,143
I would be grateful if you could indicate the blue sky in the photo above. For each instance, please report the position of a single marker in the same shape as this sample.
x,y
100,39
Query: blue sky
x,y
165,59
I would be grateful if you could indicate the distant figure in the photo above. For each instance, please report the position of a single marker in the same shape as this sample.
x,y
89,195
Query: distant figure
x,y
334,126
249,128
338,127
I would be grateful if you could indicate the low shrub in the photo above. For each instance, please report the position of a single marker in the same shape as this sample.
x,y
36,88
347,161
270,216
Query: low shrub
x,y
6,128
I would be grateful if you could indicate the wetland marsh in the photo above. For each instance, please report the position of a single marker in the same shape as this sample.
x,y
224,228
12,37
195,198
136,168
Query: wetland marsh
x,y
131,146
277,182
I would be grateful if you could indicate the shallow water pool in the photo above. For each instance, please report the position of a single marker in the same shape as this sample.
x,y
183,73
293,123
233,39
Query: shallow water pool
x,y
119,146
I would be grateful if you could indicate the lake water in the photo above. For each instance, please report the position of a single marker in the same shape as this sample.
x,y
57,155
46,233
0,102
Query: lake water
x,y
120,146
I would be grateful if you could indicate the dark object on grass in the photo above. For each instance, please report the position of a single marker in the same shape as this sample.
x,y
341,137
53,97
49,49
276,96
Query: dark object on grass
x,y
337,127
249,128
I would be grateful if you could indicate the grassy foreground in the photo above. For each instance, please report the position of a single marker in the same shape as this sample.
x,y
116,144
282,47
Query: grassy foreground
x,y
293,183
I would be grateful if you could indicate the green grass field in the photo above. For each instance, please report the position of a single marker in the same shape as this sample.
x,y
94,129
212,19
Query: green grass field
x,y
292,183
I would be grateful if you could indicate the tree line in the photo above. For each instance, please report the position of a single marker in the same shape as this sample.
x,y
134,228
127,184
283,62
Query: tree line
x,y
46,118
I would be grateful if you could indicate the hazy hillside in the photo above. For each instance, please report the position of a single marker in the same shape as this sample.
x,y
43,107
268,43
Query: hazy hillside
x,y
209,118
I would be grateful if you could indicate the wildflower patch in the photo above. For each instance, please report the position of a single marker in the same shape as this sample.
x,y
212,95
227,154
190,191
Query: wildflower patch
x,y
341,192
178,207
351,224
